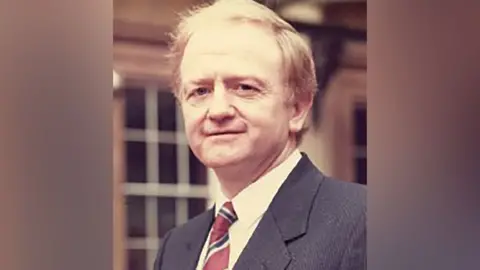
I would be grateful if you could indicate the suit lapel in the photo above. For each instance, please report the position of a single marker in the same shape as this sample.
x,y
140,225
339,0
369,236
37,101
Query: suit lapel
x,y
285,220
266,249
193,240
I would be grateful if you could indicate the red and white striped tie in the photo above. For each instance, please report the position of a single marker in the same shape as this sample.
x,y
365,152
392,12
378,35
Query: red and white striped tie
x,y
218,247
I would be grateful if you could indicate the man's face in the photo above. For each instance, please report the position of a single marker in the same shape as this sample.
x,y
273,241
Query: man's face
x,y
233,98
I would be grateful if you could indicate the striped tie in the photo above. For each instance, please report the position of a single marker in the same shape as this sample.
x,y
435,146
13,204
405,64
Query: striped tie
x,y
218,247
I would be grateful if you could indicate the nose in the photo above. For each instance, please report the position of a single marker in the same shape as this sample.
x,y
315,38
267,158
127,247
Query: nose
x,y
220,108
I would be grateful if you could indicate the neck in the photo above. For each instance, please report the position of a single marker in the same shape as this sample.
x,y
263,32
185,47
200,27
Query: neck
x,y
233,179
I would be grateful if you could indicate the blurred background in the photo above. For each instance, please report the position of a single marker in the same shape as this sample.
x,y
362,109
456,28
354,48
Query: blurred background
x,y
158,182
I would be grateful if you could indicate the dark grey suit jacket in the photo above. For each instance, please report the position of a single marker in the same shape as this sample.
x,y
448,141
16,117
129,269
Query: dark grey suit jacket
x,y
313,223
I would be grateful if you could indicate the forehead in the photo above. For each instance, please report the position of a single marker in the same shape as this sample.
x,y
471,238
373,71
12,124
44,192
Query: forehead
x,y
231,49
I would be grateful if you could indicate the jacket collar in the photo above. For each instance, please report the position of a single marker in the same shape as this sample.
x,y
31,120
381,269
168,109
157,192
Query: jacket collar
x,y
285,220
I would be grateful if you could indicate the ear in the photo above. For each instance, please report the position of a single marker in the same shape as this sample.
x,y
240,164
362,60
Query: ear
x,y
300,109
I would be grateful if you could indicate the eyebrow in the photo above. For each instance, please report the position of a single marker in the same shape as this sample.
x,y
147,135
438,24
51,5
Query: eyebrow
x,y
234,79
229,80
199,81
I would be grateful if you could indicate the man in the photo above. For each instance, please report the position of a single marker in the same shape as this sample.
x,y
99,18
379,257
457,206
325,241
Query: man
x,y
245,81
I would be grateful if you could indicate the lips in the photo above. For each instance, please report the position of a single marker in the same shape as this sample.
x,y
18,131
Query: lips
x,y
226,132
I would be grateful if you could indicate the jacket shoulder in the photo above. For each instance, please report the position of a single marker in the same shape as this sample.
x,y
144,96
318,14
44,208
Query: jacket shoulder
x,y
341,198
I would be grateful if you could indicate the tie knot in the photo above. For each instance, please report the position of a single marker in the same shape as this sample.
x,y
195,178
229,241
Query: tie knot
x,y
225,218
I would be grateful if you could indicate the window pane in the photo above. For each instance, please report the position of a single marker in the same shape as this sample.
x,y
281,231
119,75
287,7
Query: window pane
x,y
137,259
196,206
135,108
167,163
198,172
360,125
136,162
361,170
166,111
136,216
166,215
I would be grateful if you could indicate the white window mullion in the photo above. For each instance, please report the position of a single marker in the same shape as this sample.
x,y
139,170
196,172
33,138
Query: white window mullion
x,y
183,170
140,135
166,190
143,243
152,166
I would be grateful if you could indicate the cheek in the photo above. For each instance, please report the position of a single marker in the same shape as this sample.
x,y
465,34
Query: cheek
x,y
190,128
192,122
267,118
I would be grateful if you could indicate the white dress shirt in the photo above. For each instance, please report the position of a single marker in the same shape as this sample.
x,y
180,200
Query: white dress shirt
x,y
250,205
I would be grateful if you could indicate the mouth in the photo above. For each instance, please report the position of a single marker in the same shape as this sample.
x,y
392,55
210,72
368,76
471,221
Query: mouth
x,y
224,133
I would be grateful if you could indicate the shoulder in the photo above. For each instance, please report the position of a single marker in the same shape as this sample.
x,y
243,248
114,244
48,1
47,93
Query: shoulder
x,y
330,193
347,197
175,240
339,203
351,195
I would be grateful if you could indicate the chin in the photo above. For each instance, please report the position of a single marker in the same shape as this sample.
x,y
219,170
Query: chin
x,y
216,159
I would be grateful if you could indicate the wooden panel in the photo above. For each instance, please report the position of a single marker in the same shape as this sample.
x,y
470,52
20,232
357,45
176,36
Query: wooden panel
x,y
160,12
119,234
140,32
147,21
352,15
347,87
354,55
141,62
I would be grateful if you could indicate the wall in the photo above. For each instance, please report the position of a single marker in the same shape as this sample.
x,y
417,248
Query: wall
x,y
330,145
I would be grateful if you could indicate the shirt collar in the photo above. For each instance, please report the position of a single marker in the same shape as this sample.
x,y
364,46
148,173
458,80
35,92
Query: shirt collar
x,y
253,201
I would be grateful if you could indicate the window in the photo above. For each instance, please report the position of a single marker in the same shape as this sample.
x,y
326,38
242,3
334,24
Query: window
x,y
360,142
345,125
165,184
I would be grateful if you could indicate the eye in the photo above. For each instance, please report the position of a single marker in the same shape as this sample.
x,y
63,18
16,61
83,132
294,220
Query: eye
x,y
246,87
200,91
